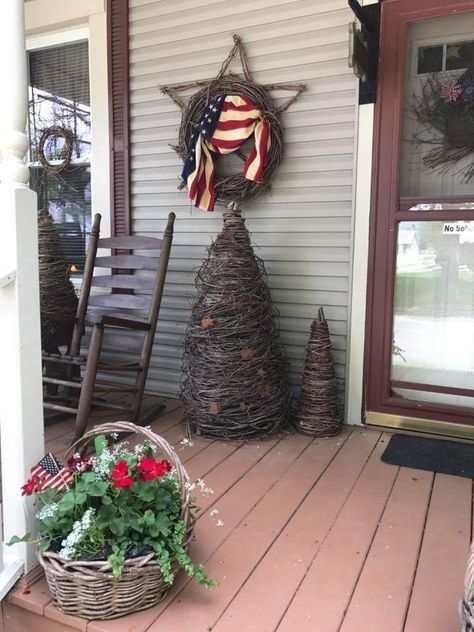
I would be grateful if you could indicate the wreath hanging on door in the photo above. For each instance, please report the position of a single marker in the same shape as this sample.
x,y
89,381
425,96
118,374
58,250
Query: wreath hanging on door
x,y
445,113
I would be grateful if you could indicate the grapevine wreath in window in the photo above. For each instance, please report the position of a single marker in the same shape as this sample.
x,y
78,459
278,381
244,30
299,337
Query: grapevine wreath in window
x,y
445,113
211,126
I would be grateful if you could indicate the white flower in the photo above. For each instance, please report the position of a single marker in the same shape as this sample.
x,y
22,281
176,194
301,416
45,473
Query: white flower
x,y
202,487
214,512
220,523
186,442
79,529
48,511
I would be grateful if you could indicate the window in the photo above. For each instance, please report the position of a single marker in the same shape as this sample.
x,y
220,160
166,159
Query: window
x,y
60,142
451,56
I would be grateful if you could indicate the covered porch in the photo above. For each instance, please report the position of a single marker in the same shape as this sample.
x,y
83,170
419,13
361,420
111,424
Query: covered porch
x,y
302,534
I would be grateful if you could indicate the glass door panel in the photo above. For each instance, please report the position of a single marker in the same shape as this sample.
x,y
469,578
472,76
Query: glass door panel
x,y
438,117
433,319
432,356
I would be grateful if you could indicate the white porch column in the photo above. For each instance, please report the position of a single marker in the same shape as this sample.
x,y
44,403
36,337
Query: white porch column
x,y
21,412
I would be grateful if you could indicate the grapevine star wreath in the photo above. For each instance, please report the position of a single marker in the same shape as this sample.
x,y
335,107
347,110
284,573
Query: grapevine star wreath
x,y
445,113
220,118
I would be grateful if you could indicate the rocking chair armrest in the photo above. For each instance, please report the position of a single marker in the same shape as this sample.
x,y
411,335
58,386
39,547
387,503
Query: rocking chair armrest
x,y
59,317
126,323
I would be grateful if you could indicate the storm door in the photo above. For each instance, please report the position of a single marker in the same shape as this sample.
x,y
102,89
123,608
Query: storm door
x,y
420,330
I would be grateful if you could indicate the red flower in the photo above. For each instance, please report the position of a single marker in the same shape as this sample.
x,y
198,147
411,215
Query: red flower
x,y
120,475
126,481
79,464
149,469
166,465
119,470
30,487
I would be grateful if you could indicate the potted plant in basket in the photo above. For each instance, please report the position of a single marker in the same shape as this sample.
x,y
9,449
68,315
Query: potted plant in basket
x,y
114,527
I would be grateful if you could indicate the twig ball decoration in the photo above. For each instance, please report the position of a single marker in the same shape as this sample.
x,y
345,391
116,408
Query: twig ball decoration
x,y
319,411
235,187
234,383
48,135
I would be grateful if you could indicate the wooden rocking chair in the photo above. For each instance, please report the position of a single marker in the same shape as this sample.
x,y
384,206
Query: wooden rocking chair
x,y
97,329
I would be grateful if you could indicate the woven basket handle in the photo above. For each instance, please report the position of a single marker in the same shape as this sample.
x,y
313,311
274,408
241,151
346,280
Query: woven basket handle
x,y
124,426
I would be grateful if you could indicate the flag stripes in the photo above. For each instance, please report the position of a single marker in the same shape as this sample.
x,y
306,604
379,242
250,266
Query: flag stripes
x,y
51,473
226,123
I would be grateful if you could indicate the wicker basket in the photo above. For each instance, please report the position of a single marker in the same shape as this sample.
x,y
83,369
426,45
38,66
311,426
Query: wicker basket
x,y
88,588
467,604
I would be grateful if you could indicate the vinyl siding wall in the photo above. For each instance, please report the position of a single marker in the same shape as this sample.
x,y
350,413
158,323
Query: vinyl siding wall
x,y
303,228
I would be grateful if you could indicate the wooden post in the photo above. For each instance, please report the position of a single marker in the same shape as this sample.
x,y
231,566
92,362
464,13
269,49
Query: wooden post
x,y
21,411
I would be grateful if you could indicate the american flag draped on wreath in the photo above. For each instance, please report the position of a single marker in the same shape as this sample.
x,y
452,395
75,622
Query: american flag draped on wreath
x,y
226,123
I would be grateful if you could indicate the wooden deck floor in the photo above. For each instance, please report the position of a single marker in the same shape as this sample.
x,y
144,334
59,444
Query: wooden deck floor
x,y
316,536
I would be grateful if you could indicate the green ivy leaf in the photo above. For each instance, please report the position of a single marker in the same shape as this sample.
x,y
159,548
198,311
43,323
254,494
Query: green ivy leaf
x,y
149,517
107,513
66,502
47,496
144,491
100,443
80,497
106,500
98,488
87,477
117,526
44,544
16,540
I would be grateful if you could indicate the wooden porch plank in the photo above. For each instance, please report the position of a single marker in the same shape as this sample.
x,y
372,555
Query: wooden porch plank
x,y
322,597
34,598
439,578
381,597
195,609
166,422
238,484
53,614
20,620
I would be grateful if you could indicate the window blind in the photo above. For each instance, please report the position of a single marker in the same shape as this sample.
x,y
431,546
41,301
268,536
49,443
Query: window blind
x,y
59,97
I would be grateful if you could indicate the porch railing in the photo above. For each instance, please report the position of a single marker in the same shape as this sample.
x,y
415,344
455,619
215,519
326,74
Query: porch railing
x,y
21,417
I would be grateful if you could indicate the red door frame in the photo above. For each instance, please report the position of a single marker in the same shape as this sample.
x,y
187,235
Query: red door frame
x,y
385,210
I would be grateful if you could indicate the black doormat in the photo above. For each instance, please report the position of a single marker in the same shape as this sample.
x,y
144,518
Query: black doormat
x,y
434,455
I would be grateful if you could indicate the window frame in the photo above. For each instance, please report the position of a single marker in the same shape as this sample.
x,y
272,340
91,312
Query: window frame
x,y
49,25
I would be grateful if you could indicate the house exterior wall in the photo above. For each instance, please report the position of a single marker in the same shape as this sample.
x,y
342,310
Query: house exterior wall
x,y
303,228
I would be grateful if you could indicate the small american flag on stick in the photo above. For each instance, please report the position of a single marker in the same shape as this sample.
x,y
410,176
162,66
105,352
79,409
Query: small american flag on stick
x,y
51,474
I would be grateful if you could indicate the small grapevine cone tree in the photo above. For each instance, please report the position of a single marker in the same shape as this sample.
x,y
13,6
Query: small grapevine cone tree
x,y
319,410
57,293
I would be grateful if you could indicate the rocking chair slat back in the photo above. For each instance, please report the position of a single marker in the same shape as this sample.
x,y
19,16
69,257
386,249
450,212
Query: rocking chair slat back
x,y
127,262
120,301
125,281
86,286
131,242
101,324
113,342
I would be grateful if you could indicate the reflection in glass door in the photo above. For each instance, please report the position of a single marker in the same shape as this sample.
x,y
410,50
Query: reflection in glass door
x,y
433,319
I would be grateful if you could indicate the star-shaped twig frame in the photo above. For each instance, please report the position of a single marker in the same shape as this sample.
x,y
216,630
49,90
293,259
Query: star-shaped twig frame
x,y
236,187
173,90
